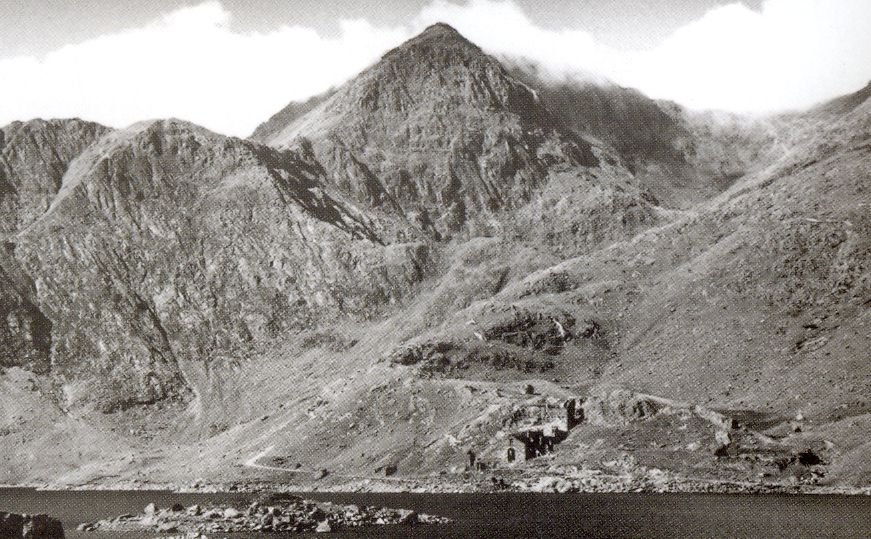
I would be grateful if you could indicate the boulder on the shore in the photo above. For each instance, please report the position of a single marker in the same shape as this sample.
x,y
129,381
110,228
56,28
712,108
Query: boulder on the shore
x,y
408,517
13,526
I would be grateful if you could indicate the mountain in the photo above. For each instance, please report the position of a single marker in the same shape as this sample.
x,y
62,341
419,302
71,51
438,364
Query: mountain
x,y
436,131
168,243
424,260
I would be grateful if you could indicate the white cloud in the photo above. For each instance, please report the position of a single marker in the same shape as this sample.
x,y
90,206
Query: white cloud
x,y
791,54
191,64
502,28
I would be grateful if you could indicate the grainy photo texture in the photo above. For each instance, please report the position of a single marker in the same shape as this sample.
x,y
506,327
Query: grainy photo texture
x,y
435,268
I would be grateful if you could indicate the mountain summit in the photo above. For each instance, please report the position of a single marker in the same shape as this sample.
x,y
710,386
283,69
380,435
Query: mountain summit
x,y
437,131
271,128
440,32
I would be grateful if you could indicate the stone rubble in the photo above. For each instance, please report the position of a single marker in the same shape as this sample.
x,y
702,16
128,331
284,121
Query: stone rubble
x,y
283,513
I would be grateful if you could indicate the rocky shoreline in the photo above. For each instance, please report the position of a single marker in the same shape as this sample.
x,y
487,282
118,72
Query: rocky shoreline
x,y
14,526
552,481
270,513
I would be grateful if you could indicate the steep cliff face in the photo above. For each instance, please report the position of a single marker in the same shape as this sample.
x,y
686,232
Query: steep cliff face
x,y
168,243
633,124
25,332
33,158
439,132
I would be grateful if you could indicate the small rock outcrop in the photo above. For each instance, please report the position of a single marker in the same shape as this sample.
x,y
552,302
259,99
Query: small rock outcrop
x,y
620,407
276,514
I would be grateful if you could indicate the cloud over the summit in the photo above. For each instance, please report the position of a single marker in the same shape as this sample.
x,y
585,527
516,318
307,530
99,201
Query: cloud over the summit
x,y
192,63
790,54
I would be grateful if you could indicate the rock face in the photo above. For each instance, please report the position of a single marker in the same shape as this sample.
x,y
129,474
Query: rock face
x,y
637,127
33,158
14,526
25,331
437,131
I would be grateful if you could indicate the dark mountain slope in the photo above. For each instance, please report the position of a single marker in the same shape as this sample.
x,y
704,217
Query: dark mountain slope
x,y
25,332
639,128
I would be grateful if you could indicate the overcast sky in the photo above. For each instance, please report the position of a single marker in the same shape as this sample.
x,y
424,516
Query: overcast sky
x,y
230,64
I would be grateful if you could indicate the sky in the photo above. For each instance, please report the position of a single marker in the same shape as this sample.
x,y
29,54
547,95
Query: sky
x,y
231,64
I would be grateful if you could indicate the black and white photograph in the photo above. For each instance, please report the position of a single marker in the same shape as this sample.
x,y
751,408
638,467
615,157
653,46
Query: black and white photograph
x,y
435,269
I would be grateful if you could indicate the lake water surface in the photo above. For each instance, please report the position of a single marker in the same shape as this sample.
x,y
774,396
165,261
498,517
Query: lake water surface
x,y
518,515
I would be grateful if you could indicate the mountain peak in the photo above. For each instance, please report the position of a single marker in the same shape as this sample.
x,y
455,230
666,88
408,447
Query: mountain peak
x,y
53,124
439,34
442,30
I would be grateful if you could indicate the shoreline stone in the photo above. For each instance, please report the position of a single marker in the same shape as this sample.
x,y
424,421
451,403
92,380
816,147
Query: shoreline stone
x,y
24,526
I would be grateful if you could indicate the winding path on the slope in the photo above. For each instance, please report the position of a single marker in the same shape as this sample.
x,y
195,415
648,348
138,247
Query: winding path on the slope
x,y
252,463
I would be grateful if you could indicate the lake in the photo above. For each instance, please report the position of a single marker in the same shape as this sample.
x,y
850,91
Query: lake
x,y
517,515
